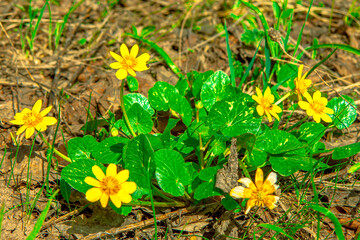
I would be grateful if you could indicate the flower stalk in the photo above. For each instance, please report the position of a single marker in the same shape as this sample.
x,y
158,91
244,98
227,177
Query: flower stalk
x,y
122,105
55,151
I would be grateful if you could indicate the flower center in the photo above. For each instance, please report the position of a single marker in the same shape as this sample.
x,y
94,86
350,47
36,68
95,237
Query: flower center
x,y
110,185
265,103
32,119
129,62
317,107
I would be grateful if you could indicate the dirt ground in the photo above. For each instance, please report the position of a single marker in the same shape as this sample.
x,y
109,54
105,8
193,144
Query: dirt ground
x,y
78,73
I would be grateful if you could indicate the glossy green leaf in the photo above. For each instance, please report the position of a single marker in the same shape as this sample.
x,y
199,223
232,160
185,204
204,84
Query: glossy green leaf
x,y
81,148
182,86
131,98
159,95
166,135
110,150
123,210
193,170
346,151
230,204
139,160
180,105
132,83
257,157
344,111
287,164
65,190
197,80
234,116
215,88
171,173
140,120
207,188
75,173
310,132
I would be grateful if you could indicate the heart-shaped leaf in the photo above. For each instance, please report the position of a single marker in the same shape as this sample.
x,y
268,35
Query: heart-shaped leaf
x,y
344,111
171,173
234,117
159,95
207,188
131,98
197,80
180,105
133,83
110,150
81,148
346,151
140,120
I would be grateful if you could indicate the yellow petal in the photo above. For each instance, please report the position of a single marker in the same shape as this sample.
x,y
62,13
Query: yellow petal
x,y
128,187
92,181
131,72
93,194
268,116
49,120
260,110
308,97
116,56
304,105
124,50
115,200
268,93
259,178
316,96
124,197
316,118
328,110
270,201
104,199
40,127
237,192
326,118
140,67
245,181
115,65
17,121
250,203
99,174
307,82
276,109
29,132
259,93
143,58
21,129
310,112
134,50
274,114
122,176
271,178
45,111
37,106
121,74
111,170
301,67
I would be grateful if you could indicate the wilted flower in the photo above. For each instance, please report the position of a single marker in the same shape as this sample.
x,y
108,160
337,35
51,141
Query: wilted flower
x,y
316,107
260,193
113,185
33,119
266,104
301,84
128,62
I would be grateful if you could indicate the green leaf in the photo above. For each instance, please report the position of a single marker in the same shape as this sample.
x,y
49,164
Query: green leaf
x,y
346,151
257,157
140,120
81,148
139,159
159,95
193,168
276,229
181,106
110,150
276,9
234,116
207,188
131,98
215,88
132,83
75,173
197,80
182,86
123,210
286,72
252,36
287,154
354,168
344,112
166,135
65,190
171,173
147,30
310,132
91,126
230,204
218,147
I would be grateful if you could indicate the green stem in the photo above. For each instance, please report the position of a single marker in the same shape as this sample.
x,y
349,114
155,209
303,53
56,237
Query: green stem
x,y
155,204
242,166
202,165
122,105
283,98
55,151
297,124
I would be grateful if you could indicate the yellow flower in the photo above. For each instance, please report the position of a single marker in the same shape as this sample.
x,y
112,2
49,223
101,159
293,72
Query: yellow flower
x,y
260,193
33,119
266,104
113,185
301,84
316,107
128,62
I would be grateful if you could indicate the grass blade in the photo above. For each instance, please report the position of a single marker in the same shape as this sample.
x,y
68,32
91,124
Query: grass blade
x,y
319,63
33,32
334,45
338,228
276,229
231,65
160,51
41,218
302,28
